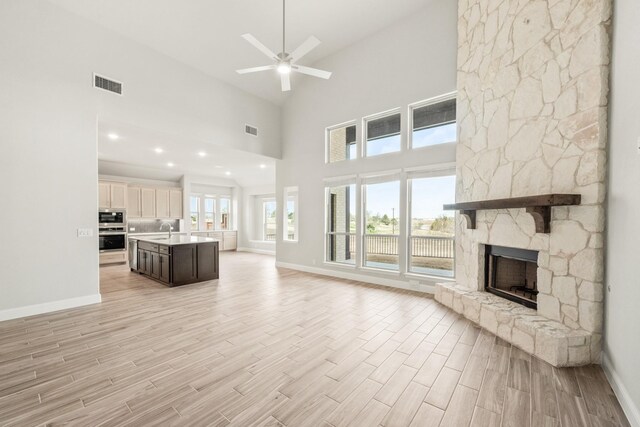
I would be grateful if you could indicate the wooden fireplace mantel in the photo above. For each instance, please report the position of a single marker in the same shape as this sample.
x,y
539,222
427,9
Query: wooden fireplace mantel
x,y
538,206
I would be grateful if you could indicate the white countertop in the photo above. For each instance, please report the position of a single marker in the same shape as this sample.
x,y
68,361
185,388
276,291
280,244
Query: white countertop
x,y
158,233
174,240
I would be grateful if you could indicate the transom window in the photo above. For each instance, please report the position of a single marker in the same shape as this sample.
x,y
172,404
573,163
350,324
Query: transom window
x,y
341,143
433,123
383,134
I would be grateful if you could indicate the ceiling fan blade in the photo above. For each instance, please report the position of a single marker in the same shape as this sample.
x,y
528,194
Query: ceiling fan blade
x,y
304,48
262,48
286,82
311,71
256,69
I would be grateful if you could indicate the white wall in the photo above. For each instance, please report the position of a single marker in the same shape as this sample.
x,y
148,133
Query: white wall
x,y
48,147
412,60
622,314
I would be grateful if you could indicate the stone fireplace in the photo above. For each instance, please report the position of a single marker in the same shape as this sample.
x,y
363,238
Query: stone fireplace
x,y
532,108
512,274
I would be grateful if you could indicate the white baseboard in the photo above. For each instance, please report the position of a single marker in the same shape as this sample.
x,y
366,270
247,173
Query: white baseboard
x,y
257,251
365,278
47,307
629,407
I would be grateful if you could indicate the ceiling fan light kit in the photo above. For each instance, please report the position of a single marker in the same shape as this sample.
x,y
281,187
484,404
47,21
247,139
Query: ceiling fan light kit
x,y
285,63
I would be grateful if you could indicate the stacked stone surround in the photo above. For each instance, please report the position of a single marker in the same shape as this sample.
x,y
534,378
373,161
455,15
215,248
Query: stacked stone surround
x,y
532,107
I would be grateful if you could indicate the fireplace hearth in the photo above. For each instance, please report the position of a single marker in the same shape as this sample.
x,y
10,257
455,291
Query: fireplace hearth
x,y
511,273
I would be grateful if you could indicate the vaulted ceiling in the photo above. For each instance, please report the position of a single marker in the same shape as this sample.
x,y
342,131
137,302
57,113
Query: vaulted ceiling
x,y
205,34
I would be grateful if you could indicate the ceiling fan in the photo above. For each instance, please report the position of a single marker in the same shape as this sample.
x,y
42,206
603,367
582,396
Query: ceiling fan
x,y
285,62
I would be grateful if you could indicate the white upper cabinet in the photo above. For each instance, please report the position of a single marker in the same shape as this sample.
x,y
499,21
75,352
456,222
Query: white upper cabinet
x,y
148,202
175,204
134,208
104,195
118,196
112,195
162,203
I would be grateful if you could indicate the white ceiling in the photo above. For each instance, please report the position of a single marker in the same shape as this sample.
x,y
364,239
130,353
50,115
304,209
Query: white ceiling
x,y
136,146
205,34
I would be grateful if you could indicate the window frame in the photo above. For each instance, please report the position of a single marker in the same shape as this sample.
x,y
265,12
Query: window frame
x,y
219,212
198,212
436,171
263,202
344,182
201,224
383,114
285,214
372,179
436,99
204,205
327,141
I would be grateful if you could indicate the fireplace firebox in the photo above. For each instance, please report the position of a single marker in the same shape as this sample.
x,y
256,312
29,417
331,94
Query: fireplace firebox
x,y
512,273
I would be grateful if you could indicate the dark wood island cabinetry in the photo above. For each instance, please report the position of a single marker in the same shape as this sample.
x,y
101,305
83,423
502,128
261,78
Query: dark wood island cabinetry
x,y
178,260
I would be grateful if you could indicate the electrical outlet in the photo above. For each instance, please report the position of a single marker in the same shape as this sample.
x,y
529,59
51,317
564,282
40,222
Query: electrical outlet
x,y
313,261
85,232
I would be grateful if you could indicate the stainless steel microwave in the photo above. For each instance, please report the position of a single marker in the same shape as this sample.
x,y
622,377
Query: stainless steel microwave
x,y
109,217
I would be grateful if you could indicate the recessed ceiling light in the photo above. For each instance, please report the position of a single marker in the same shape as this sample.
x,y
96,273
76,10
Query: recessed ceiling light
x,y
227,173
262,166
159,150
113,136
170,164
202,153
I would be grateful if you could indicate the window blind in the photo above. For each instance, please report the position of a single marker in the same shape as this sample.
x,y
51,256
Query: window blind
x,y
434,114
383,127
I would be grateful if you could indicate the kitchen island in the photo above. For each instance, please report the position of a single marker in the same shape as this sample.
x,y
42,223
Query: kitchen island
x,y
176,260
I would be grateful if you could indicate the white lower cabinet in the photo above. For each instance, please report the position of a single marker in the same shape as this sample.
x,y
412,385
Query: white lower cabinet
x,y
228,239
113,257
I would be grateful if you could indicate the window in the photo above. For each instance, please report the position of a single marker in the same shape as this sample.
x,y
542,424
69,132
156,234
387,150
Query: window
x,y
268,219
195,213
209,213
433,124
290,217
383,135
225,213
341,224
341,143
432,231
382,224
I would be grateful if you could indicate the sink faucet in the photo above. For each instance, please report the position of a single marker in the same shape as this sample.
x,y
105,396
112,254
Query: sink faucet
x,y
170,227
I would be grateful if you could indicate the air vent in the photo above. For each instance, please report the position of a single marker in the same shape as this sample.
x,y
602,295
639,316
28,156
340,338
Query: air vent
x,y
107,84
251,130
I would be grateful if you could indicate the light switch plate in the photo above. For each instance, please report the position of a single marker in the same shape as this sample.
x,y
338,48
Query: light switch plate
x,y
85,232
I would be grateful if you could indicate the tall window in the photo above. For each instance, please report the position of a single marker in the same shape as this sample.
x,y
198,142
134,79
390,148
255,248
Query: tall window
x,y
341,143
433,124
225,213
341,224
290,214
432,231
268,219
383,135
382,225
195,213
209,213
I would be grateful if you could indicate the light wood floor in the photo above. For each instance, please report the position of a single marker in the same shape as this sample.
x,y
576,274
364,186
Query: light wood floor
x,y
272,347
